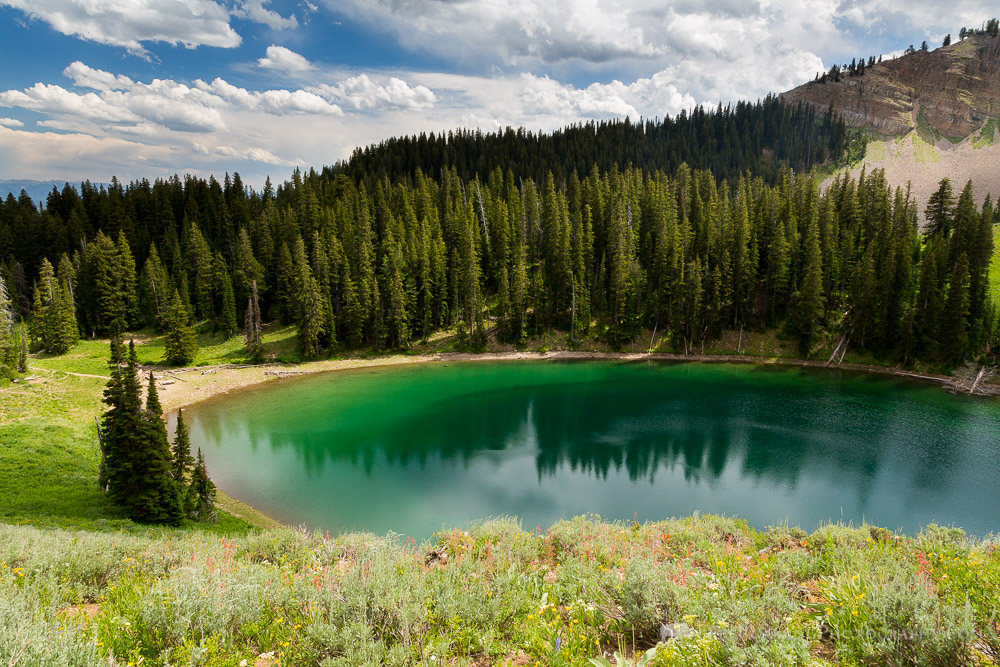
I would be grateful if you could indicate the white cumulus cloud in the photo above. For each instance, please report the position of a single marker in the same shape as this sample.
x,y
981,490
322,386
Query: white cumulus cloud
x,y
11,122
362,92
130,23
285,60
255,11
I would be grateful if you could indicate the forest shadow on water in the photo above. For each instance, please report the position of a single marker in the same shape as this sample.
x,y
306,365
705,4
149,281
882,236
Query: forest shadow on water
x,y
412,449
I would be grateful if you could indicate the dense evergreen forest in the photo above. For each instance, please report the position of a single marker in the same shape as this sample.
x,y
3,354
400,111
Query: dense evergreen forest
x,y
602,254
378,252
760,137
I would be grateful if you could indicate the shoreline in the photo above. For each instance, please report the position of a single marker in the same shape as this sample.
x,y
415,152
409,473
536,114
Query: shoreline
x,y
184,387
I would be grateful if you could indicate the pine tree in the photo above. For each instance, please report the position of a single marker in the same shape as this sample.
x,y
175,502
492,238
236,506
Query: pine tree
x,y
252,327
41,325
63,329
285,281
7,363
392,272
180,342
939,209
202,491
182,460
109,312
156,284
127,281
199,258
157,499
227,319
954,327
807,310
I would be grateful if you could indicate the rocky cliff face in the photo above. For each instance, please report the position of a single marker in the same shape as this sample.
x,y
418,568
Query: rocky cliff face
x,y
953,90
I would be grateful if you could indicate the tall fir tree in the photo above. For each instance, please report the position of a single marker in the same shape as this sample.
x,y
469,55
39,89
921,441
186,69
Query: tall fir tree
x,y
253,334
227,317
179,341
202,491
135,466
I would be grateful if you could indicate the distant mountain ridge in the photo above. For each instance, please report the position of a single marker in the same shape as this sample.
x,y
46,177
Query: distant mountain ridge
x,y
37,190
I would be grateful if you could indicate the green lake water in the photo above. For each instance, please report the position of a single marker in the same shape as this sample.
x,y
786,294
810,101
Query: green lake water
x,y
415,448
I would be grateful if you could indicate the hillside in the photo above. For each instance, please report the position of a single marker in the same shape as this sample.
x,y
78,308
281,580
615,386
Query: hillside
x,y
952,91
932,114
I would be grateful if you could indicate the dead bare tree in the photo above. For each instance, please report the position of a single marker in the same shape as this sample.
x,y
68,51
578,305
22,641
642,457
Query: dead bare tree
x,y
973,378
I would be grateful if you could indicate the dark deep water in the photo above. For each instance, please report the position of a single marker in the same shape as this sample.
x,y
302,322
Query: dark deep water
x,y
414,448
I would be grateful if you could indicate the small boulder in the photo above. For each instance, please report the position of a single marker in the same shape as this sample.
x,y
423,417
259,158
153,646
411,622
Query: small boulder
x,y
670,631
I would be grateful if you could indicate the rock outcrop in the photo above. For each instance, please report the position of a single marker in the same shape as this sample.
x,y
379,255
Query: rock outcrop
x,y
952,91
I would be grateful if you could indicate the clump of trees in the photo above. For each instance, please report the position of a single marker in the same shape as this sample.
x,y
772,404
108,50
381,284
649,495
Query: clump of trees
x,y
857,67
140,472
989,28
53,322
13,339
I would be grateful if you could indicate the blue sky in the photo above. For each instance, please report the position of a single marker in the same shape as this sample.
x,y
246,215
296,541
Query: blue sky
x,y
149,88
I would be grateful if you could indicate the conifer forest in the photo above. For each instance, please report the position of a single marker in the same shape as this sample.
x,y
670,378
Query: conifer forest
x,y
371,254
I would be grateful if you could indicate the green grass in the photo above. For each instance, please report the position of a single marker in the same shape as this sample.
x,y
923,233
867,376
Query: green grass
x,y
91,356
924,152
924,129
49,456
985,137
580,590
876,152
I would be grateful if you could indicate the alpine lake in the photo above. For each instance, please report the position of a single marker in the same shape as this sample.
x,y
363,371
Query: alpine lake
x,y
414,448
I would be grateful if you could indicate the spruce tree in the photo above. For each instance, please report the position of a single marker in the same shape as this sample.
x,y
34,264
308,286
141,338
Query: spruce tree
x,y
109,314
41,320
127,281
202,491
807,310
180,342
63,330
227,318
158,499
181,451
156,283
954,327
939,209
135,457
252,327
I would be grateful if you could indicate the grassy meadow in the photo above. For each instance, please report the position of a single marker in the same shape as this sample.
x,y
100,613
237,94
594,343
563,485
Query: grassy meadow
x,y
697,591
50,456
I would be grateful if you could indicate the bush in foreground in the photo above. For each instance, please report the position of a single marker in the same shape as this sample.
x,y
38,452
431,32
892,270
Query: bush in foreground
x,y
496,594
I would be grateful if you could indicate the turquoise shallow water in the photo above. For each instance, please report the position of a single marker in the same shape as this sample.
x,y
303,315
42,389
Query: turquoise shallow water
x,y
417,447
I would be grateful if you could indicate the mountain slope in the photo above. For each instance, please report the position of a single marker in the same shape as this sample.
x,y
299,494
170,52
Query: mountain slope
x,y
931,115
952,92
